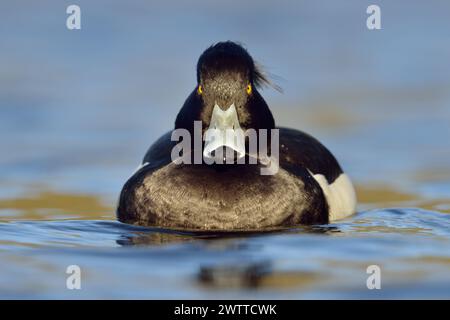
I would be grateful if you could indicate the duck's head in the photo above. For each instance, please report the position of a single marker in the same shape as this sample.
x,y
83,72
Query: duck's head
x,y
226,95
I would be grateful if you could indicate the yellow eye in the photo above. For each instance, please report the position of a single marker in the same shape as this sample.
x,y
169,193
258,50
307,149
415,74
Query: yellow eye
x,y
249,89
199,90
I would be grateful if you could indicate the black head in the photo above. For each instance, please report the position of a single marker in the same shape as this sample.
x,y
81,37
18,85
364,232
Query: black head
x,y
227,75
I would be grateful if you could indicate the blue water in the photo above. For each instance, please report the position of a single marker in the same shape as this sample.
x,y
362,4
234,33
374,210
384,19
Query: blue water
x,y
120,261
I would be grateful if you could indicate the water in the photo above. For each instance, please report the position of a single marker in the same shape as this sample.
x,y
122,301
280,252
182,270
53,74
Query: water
x,y
120,261
78,110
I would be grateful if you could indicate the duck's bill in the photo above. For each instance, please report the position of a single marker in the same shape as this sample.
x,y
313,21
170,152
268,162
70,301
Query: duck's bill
x,y
224,139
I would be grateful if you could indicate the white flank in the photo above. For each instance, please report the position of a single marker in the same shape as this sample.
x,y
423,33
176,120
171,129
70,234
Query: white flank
x,y
341,196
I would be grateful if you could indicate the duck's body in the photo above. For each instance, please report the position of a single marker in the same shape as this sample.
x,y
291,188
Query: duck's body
x,y
309,186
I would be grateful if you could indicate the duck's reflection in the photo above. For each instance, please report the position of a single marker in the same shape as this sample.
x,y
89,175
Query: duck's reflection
x,y
243,274
254,275
247,271
160,236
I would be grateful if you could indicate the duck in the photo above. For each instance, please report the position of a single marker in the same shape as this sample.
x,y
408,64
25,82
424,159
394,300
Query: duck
x,y
306,185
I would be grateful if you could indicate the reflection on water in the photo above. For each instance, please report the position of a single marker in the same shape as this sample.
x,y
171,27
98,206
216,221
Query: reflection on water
x,y
235,275
410,245
79,109
161,236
